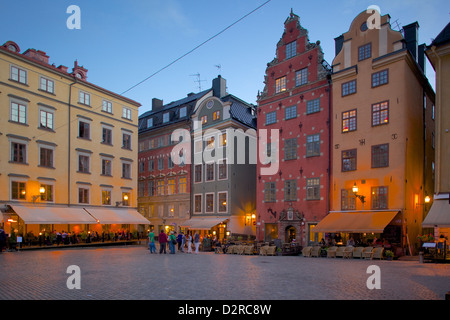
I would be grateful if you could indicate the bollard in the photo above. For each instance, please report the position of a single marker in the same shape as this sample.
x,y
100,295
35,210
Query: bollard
x,y
421,257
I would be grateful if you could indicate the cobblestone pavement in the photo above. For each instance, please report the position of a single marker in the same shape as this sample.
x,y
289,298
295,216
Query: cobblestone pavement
x,y
131,272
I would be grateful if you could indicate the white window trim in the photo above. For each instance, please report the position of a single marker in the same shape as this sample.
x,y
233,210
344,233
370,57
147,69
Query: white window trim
x,y
48,79
126,113
109,127
48,110
226,200
201,176
90,127
18,179
81,153
46,146
201,203
213,202
21,102
101,165
220,161
122,162
214,171
20,68
110,189
12,140
83,186
48,183
85,94
107,102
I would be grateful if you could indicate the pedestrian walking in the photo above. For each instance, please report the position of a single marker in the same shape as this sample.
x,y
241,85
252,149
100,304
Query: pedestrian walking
x,y
172,242
183,241
179,240
2,239
196,242
151,242
189,243
162,238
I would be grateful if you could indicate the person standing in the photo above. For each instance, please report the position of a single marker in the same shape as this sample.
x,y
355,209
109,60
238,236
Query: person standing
x,y
162,238
189,243
151,242
196,242
183,241
172,242
2,239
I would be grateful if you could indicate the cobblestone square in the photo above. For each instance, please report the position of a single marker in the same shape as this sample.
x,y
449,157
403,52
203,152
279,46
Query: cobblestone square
x,y
132,273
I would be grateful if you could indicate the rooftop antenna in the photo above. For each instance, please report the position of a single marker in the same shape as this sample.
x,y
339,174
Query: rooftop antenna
x,y
198,80
397,25
219,68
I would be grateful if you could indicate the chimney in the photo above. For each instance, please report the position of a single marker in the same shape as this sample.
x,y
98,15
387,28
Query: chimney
x,y
219,86
411,38
421,56
157,104
338,44
37,55
62,68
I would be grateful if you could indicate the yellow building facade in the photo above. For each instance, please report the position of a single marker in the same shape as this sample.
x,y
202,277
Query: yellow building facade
x,y
69,148
382,132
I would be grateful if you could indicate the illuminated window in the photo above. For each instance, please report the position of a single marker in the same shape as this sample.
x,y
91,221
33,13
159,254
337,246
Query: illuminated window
x,y
280,84
349,121
216,115
380,113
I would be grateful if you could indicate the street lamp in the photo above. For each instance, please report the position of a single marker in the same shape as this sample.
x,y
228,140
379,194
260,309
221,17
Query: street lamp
x,y
360,197
41,191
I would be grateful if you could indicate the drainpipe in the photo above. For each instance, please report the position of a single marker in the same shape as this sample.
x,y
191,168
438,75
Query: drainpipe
x,y
329,142
69,145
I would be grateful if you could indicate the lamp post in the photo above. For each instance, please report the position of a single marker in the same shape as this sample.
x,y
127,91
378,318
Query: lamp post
x,y
360,197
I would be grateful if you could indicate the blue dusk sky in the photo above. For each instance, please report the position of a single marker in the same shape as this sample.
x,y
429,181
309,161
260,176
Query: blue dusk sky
x,y
122,43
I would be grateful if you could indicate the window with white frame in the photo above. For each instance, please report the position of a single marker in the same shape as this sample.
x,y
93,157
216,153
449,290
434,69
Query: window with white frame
x,y
18,190
222,202
107,106
46,155
223,174
183,112
84,128
84,98
209,202
46,118
126,140
166,117
18,74
126,170
47,85
47,195
107,167
106,196
83,194
197,203
18,150
84,161
18,111
209,172
126,113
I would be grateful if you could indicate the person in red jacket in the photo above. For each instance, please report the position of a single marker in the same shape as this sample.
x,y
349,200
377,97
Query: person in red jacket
x,y
162,239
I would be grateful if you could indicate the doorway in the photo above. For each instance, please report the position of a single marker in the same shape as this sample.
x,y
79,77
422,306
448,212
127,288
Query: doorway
x,y
291,234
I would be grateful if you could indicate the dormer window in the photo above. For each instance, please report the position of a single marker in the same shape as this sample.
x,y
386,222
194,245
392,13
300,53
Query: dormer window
x,y
182,112
149,122
166,117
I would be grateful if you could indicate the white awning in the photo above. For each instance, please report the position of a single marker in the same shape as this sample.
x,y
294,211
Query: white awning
x,y
202,223
439,214
117,216
52,214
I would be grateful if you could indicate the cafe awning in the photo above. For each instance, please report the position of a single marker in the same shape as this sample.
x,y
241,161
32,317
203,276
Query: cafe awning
x,y
52,215
202,223
355,221
439,215
117,216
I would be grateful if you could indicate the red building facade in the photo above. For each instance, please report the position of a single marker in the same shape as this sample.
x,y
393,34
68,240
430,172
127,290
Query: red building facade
x,y
295,106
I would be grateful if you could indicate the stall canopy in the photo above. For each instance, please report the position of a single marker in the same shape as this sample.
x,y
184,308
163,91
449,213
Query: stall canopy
x,y
439,215
116,216
202,223
355,222
53,215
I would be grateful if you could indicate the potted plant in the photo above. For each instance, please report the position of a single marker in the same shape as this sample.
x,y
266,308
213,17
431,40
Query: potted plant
x,y
389,255
279,252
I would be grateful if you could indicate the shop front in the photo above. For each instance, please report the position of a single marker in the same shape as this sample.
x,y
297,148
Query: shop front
x,y
41,224
362,228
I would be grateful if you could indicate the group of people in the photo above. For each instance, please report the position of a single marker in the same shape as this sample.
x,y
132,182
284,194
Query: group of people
x,y
182,241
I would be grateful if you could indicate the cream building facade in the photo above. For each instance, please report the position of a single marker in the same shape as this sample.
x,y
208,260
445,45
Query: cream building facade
x,y
69,148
